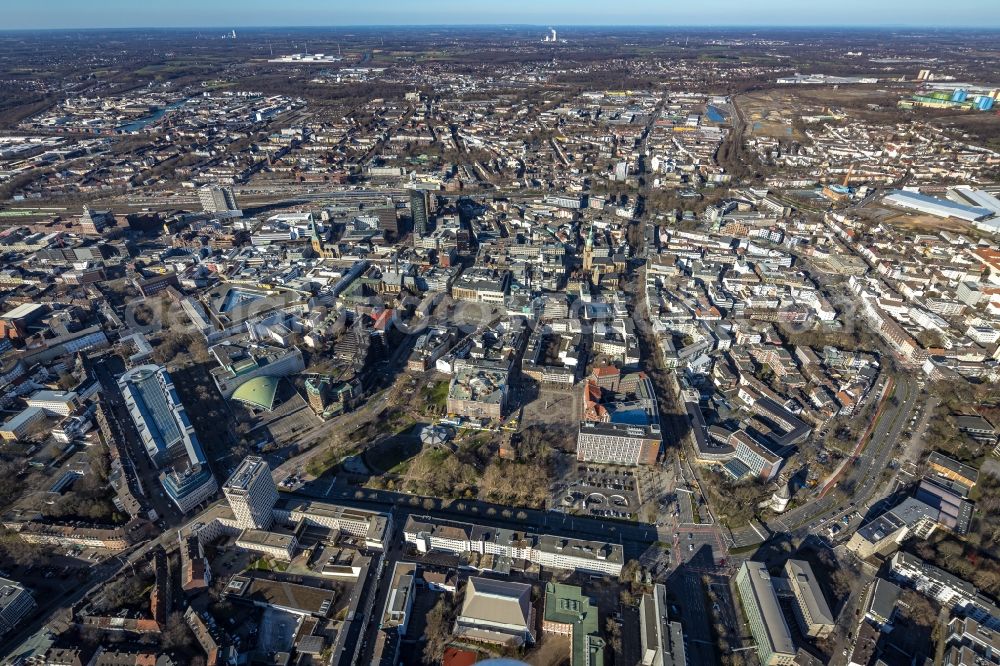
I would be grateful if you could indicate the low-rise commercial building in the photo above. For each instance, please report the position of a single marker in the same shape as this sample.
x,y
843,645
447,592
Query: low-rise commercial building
x,y
478,393
398,604
22,424
758,460
495,611
296,598
62,403
245,360
396,614
569,613
15,322
275,545
952,469
880,607
371,527
922,203
932,506
482,285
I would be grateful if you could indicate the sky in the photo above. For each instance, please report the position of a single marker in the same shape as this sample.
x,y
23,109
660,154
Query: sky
x,y
21,14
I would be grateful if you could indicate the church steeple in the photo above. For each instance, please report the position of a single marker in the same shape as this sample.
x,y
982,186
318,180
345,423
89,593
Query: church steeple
x,y
318,245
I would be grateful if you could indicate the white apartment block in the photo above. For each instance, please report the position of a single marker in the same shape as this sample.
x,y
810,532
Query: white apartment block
x,y
430,535
951,591
618,443
251,494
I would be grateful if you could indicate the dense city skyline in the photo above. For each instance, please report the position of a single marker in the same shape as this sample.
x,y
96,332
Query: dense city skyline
x,y
328,338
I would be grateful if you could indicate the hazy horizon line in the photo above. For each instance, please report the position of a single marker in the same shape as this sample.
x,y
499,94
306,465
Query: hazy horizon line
x,y
542,26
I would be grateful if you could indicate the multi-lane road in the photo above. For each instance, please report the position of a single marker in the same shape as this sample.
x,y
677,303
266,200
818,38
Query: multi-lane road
x,y
855,489
636,538
863,475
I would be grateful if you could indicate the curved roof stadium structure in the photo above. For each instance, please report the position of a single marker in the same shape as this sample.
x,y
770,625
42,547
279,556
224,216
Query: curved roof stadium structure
x,y
259,392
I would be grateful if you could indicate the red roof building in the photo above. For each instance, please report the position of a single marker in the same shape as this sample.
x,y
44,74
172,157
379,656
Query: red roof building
x,y
456,657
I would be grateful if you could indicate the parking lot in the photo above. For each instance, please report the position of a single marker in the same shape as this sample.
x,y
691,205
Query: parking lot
x,y
599,491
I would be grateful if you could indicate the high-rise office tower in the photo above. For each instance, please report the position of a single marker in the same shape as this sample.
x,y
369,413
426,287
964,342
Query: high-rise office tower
x,y
252,494
420,211
215,199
